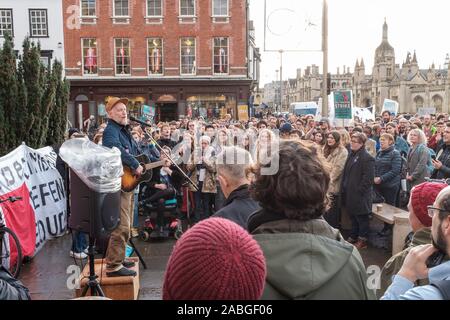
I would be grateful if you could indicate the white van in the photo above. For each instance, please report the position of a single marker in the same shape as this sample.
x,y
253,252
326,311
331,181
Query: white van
x,y
304,108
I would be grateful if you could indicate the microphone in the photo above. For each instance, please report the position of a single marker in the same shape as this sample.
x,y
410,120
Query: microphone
x,y
139,121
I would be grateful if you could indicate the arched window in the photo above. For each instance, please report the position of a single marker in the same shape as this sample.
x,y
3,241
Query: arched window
x,y
437,103
419,102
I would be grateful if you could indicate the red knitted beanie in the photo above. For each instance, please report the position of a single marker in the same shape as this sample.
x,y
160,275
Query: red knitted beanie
x,y
215,260
423,196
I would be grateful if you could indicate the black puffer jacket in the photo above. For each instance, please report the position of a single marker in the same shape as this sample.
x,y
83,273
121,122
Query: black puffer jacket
x,y
388,165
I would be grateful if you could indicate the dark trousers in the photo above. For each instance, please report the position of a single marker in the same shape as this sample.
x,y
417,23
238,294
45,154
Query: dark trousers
x,y
204,203
360,226
389,194
160,198
333,215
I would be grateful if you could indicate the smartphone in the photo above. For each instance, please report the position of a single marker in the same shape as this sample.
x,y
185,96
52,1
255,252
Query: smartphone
x,y
435,259
433,157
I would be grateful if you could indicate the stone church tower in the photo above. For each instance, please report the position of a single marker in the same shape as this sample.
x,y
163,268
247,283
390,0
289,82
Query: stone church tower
x,y
383,69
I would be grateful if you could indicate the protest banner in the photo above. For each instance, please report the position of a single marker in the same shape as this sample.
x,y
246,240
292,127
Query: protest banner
x,y
42,213
426,111
343,104
391,106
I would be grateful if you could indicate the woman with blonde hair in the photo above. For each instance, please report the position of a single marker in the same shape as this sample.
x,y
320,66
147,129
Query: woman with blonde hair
x,y
265,139
418,158
345,138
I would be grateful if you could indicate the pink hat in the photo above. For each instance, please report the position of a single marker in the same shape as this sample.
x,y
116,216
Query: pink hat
x,y
215,260
423,196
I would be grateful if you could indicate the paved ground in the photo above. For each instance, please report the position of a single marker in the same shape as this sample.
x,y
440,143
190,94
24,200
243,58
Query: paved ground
x,y
46,275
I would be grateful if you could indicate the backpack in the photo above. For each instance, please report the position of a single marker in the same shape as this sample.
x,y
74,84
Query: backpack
x,y
431,153
443,287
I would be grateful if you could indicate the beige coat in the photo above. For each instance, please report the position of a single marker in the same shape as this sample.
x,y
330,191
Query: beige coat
x,y
209,184
337,160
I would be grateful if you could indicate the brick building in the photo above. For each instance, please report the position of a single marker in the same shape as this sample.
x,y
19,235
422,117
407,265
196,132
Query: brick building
x,y
179,57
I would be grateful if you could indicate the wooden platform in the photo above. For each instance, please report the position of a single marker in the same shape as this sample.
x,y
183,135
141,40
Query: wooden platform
x,y
115,288
399,219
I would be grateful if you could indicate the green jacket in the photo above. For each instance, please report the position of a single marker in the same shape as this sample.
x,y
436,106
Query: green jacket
x,y
310,261
394,264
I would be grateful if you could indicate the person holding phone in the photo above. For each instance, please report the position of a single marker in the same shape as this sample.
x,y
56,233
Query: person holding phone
x,y
418,265
441,162
422,196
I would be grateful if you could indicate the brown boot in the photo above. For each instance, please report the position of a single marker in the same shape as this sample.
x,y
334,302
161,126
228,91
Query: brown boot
x,y
361,244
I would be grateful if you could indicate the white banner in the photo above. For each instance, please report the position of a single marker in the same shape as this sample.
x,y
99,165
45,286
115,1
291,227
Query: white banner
x,y
426,111
391,106
41,214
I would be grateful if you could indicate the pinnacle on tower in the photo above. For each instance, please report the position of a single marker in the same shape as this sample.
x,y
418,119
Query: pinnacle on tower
x,y
408,58
362,63
414,60
385,31
357,64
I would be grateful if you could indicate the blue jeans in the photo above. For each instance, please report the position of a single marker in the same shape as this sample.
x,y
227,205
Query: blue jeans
x,y
360,226
79,242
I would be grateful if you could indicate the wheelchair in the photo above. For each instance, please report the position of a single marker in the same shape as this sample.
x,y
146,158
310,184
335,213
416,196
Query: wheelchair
x,y
172,225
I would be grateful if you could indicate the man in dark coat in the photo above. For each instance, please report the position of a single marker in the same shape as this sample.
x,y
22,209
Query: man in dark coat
x,y
357,185
238,207
442,163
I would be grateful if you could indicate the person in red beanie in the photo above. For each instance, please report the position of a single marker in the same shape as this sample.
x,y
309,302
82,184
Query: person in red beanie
x,y
215,260
422,196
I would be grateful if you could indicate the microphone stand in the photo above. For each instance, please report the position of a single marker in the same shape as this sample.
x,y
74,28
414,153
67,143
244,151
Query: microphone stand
x,y
165,153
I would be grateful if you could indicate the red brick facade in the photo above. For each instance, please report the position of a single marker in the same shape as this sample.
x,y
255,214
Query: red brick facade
x,y
201,91
171,30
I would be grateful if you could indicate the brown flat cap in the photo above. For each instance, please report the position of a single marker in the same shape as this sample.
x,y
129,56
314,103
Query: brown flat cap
x,y
115,100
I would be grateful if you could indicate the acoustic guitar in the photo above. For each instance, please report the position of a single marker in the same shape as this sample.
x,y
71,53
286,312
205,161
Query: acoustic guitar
x,y
130,181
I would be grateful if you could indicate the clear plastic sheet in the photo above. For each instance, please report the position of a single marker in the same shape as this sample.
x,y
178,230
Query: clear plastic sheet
x,y
100,168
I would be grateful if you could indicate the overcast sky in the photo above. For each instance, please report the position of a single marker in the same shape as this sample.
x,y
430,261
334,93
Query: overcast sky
x,y
355,31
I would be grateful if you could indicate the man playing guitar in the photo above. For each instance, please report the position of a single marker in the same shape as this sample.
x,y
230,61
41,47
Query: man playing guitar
x,y
117,135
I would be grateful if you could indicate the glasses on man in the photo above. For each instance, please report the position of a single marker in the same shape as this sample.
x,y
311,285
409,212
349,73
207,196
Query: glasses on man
x,y
432,211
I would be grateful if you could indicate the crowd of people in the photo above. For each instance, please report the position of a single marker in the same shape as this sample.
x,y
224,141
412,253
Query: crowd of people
x,y
289,182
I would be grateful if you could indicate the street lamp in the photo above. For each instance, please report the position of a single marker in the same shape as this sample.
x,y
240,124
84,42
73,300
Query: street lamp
x,y
277,92
281,79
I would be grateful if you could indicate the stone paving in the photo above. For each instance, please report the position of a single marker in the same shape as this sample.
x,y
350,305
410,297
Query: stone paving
x,y
46,275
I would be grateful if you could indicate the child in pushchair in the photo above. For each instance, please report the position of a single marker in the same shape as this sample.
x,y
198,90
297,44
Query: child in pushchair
x,y
159,202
